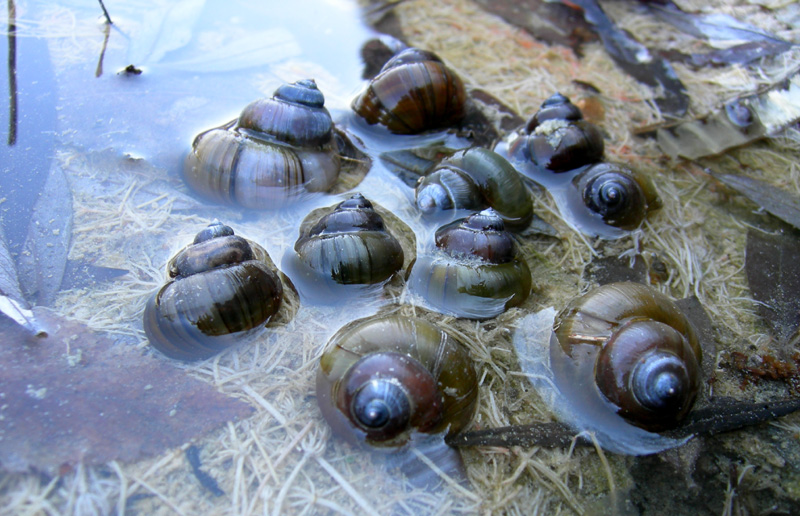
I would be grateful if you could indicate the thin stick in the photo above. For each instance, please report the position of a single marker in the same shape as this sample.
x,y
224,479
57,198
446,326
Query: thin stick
x,y
12,72
105,12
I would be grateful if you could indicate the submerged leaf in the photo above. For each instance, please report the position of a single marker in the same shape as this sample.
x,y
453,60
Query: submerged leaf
x,y
772,266
42,263
79,397
778,202
165,29
12,303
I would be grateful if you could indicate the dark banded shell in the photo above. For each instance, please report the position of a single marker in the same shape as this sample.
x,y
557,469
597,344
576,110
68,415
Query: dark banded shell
x,y
415,92
221,288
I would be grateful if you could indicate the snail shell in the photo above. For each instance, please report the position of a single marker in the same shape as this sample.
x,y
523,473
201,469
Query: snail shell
x,y
220,288
279,148
557,139
383,379
618,196
476,271
475,179
351,245
627,348
414,92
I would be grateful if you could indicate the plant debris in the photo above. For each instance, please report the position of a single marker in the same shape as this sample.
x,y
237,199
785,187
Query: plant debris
x,y
79,397
778,202
772,266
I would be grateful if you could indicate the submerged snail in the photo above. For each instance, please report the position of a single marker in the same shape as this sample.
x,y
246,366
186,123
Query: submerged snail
x,y
220,288
383,379
475,272
474,179
278,148
616,195
350,245
414,92
625,349
557,139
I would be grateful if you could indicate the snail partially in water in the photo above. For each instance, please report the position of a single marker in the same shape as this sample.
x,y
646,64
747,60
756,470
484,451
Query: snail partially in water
x,y
634,347
220,289
475,271
556,139
475,179
350,245
615,196
620,367
414,92
279,148
383,379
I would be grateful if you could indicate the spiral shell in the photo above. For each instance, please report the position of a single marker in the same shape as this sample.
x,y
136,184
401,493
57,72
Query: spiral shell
x,y
618,196
627,348
351,245
220,288
279,148
475,179
557,139
476,271
415,92
383,379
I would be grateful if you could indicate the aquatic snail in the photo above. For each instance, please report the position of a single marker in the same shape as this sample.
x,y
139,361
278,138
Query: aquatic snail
x,y
279,148
350,245
614,195
220,289
414,92
640,350
383,379
475,271
556,139
475,179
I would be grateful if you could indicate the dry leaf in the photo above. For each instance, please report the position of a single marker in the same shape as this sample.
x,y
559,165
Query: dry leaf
x,y
772,266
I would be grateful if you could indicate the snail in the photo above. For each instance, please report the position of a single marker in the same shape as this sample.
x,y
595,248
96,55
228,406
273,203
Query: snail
x,y
475,179
220,289
556,139
414,92
616,197
279,148
350,245
384,379
640,351
475,272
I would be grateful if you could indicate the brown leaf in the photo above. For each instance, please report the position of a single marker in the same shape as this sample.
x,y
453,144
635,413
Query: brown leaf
x,y
77,396
772,266
780,203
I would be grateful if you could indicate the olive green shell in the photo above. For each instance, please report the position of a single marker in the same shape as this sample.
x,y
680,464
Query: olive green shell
x,y
404,342
476,179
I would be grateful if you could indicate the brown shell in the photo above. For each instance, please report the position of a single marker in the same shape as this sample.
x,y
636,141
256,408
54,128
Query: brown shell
x,y
420,374
641,349
220,289
415,92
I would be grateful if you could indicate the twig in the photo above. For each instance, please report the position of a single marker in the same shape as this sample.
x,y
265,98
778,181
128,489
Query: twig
x,y
105,12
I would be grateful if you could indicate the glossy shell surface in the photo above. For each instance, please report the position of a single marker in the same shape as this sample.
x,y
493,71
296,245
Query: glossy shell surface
x,y
351,245
475,270
615,195
280,148
475,179
628,349
414,92
383,379
220,289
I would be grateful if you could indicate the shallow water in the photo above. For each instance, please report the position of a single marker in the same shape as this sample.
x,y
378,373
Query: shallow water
x,y
120,139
